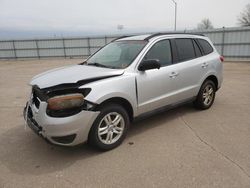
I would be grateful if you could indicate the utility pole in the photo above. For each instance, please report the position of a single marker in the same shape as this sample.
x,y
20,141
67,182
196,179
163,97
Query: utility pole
x,y
175,19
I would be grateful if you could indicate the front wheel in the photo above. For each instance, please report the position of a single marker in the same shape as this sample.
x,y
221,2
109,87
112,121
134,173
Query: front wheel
x,y
206,96
110,127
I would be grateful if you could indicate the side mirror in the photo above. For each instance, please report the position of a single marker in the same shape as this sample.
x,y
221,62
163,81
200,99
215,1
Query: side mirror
x,y
149,64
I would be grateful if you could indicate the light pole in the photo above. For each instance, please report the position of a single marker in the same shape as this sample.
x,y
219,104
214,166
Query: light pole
x,y
175,19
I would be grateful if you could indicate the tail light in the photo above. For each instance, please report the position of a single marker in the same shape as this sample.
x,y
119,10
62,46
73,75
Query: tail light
x,y
221,58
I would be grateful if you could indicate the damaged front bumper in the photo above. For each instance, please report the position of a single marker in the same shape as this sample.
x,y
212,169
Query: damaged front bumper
x,y
66,131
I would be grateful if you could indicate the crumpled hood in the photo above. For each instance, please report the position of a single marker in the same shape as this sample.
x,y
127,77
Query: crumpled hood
x,y
71,75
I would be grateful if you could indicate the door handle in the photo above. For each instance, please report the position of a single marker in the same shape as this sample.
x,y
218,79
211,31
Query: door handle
x,y
173,74
204,65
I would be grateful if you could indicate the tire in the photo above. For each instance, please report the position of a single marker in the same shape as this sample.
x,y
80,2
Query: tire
x,y
206,95
105,133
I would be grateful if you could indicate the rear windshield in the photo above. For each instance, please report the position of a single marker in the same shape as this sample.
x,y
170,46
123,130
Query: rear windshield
x,y
118,54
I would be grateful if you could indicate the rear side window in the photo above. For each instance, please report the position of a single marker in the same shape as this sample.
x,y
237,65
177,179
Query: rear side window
x,y
206,47
161,51
185,49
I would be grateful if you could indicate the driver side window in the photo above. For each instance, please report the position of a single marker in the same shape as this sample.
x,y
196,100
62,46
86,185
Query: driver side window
x,y
161,51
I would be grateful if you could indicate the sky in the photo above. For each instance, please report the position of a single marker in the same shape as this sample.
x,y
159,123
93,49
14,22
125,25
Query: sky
x,y
42,18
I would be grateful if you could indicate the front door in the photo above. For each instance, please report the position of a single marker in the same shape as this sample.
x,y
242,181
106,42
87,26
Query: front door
x,y
156,87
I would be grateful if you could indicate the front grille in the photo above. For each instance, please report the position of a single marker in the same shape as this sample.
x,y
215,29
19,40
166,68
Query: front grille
x,y
32,123
38,95
36,101
29,113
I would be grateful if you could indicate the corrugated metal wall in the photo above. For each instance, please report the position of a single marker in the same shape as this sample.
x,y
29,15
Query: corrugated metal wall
x,y
232,43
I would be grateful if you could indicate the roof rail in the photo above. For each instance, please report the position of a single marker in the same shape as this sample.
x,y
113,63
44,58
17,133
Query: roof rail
x,y
121,37
170,33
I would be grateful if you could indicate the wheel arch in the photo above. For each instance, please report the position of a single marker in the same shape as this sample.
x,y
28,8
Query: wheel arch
x,y
214,79
121,101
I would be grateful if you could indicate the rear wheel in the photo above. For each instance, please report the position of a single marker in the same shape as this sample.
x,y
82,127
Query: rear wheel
x,y
110,127
206,96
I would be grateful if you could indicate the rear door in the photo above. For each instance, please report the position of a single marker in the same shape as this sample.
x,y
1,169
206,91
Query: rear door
x,y
188,67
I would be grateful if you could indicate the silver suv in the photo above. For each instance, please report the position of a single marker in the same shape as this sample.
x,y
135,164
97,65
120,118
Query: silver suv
x,y
97,100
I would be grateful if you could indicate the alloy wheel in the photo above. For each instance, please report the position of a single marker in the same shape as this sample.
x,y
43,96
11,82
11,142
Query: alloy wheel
x,y
111,128
208,95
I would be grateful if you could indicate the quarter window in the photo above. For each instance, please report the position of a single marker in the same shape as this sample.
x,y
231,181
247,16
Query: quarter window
x,y
185,49
206,47
161,51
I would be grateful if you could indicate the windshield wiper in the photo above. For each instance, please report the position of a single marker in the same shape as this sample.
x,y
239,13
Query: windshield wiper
x,y
83,63
98,65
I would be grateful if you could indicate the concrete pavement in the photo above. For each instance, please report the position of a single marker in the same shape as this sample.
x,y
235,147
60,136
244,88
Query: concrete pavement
x,y
181,147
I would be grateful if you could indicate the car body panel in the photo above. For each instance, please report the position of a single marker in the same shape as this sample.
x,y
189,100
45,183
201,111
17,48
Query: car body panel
x,y
78,124
122,86
155,89
72,74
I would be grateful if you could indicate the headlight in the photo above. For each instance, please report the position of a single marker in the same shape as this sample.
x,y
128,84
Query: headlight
x,y
63,102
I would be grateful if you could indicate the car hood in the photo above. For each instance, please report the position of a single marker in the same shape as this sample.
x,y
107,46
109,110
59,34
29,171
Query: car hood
x,y
72,74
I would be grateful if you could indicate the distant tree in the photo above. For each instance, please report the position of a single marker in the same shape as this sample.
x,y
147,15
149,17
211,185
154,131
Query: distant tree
x,y
244,18
205,24
120,27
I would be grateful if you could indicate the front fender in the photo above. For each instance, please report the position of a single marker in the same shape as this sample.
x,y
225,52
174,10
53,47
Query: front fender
x,y
121,86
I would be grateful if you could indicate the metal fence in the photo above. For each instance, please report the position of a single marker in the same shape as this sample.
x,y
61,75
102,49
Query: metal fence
x,y
232,43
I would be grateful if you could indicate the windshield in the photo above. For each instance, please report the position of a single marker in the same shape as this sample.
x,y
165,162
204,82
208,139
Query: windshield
x,y
118,55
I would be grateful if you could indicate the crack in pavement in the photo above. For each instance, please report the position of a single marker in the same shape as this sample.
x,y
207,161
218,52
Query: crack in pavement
x,y
215,150
71,182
